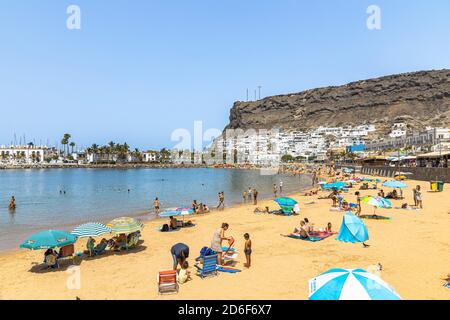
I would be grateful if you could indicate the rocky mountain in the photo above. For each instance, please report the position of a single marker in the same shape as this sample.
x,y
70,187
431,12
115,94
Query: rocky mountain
x,y
419,98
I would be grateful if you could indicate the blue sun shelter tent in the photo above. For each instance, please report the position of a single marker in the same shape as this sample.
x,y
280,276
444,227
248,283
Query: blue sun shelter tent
x,y
352,229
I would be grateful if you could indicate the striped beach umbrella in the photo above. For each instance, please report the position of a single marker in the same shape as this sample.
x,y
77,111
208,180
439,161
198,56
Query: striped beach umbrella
x,y
125,225
91,229
395,184
48,240
350,284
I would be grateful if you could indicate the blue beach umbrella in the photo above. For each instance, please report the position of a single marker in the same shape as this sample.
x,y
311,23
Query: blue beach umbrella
x,y
352,229
395,184
91,229
350,284
170,213
48,240
286,201
286,204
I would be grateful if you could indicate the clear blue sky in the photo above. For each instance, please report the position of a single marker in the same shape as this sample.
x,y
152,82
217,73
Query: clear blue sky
x,y
137,70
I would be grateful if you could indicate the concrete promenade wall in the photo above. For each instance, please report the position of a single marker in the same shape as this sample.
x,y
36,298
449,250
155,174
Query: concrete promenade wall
x,y
418,173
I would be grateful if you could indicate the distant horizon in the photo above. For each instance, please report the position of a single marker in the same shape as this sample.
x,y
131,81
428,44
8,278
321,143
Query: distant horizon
x,y
136,72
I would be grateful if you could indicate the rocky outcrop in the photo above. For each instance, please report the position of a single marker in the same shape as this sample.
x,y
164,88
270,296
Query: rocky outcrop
x,y
420,99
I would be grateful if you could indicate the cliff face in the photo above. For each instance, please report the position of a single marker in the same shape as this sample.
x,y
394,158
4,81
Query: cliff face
x,y
420,99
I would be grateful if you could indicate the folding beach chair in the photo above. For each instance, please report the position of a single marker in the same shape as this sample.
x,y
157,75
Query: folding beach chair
x,y
209,266
167,282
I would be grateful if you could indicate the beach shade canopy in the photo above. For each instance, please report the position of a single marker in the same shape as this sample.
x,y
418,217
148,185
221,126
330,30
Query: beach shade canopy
x,y
125,225
395,184
48,240
348,170
350,284
352,229
378,202
286,204
91,229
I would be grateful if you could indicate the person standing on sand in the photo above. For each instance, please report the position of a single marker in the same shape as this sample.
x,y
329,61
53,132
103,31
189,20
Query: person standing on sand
x,y
216,243
358,203
275,190
255,196
281,187
248,250
156,205
419,197
244,196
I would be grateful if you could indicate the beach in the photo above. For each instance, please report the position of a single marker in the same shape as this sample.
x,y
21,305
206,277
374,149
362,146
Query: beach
x,y
413,249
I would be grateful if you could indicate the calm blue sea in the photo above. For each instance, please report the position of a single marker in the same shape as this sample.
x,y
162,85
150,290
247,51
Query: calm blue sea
x,y
102,194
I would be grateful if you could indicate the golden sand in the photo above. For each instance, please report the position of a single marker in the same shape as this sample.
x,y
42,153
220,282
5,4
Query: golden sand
x,y
413,248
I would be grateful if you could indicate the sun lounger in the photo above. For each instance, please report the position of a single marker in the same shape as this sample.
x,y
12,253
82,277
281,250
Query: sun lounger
x,y
209,266
167,282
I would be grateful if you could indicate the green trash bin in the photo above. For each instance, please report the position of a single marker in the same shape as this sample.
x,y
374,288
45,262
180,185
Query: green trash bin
x,y
440,186
433,185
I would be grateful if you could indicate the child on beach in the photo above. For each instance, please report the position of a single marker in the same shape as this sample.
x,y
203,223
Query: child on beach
x,y
248,250
183,274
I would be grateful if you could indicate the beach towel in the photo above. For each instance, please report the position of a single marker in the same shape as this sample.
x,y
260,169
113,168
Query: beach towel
x,y
314,236
374,217
312,239
227,269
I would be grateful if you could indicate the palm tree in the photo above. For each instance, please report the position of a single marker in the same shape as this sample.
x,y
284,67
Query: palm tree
x,y
72,145
65,142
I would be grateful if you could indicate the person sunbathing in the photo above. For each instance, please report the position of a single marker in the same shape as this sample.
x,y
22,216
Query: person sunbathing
x,y
259,210
301,232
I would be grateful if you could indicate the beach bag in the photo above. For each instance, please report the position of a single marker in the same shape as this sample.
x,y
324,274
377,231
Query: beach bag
x,y
165,228
404,206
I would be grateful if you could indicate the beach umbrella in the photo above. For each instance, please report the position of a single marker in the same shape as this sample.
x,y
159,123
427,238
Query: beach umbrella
x,y
286,204
286,201
185,211
352,229
91,229
395,184
377,202
348,170
48,240
125,225
169,213
350,284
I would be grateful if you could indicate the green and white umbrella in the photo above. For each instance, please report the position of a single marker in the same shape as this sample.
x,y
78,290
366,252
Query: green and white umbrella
x,y
125,225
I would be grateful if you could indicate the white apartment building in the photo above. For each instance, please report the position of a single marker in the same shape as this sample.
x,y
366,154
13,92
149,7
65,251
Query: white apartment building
x,y
24,154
